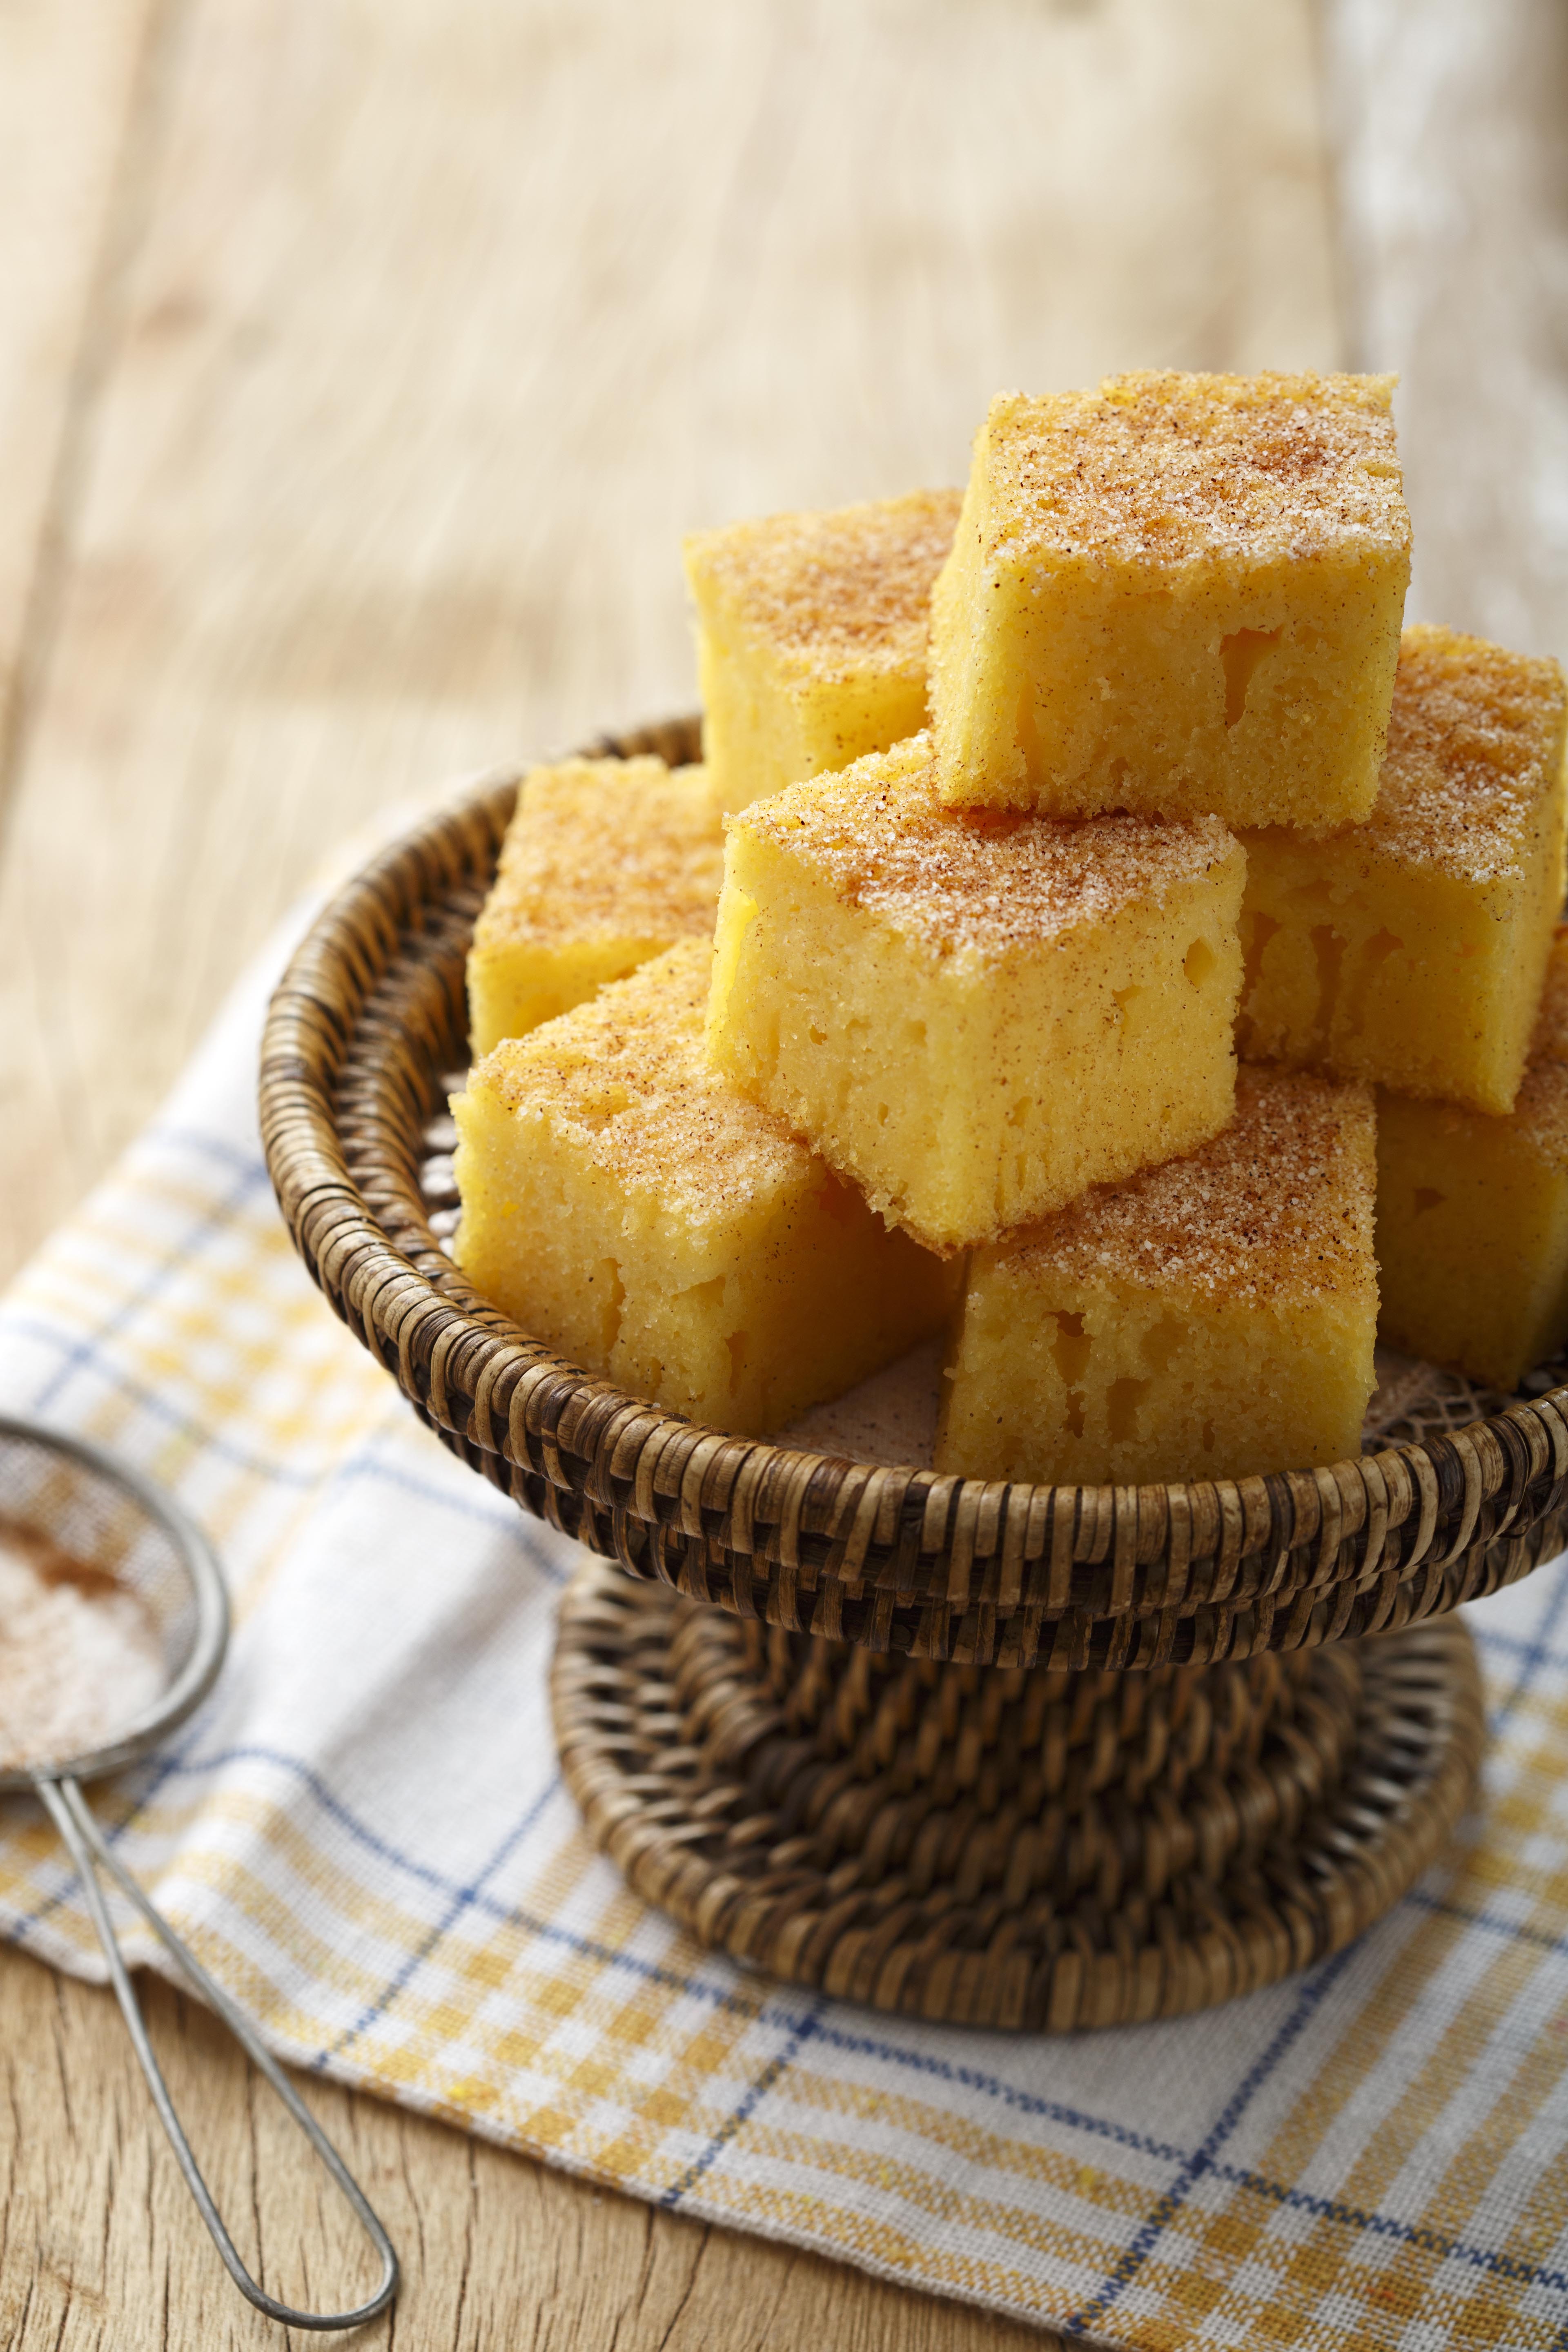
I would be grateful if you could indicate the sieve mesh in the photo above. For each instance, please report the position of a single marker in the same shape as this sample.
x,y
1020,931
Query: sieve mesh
x,y
75,1519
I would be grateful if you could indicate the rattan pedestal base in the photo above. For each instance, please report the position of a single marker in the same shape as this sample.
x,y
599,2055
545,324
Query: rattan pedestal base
x,y
1007,1847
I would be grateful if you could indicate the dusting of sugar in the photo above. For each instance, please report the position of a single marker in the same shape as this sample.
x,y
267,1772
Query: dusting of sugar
x,y
1474,746
79,1658
988,881
1280,1204
825,591
625,1080
620,848
1169,467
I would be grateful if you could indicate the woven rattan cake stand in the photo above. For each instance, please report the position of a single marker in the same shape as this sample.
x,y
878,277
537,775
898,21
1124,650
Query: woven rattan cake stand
x,y
998,1754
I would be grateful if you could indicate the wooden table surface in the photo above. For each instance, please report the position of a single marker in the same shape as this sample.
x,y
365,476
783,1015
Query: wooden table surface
x,y
361,363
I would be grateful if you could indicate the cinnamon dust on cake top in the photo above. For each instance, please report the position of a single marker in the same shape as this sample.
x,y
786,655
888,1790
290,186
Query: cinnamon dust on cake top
x,y
989,881
1279,1205
627,847
1163,467
820,590
625,1079
1474,744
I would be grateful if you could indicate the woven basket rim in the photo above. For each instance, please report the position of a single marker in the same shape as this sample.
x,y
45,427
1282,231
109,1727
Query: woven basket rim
x,y
473,1343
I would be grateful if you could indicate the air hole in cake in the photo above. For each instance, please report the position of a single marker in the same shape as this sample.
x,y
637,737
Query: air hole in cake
x,y
1207,1440
1426,1197
1329,952
1198,963
1125,998
1373,957
738,1343
817,1036
1257,930
1122,1400
1161,1342
1239,655
1071,1351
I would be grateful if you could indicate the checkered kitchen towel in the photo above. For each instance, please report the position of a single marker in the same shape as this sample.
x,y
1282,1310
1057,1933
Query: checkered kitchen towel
x,y
365,1836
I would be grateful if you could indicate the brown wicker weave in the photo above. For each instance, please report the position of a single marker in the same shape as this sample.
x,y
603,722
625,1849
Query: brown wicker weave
x,y
934,1784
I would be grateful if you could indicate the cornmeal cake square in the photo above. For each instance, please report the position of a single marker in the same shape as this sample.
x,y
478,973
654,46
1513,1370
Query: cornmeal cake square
x,y
1472,1216
605,863
1212,1318
1179,593
974,1015
622,1204
811,637
1411,950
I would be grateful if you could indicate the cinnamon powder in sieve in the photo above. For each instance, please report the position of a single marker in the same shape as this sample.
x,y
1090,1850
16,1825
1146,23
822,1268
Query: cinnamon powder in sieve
x,y
80,1657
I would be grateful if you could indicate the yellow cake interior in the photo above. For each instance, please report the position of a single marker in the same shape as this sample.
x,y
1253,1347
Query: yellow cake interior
x,y
811,637
1213,1317
605,864
1472,1216
974,1017
1178,594
1411,950
623,1204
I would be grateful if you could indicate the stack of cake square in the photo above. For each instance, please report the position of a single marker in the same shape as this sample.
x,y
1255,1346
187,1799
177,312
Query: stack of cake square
x,y
1034,807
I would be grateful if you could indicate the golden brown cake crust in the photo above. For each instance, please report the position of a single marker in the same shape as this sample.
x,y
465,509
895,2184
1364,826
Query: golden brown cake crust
x,y
848,588
989,881
1474,745
626,1079
1279,1205
625,847
1163,467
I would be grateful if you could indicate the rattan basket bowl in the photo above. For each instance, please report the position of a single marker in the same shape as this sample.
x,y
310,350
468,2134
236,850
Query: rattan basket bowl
x,y
1002,1754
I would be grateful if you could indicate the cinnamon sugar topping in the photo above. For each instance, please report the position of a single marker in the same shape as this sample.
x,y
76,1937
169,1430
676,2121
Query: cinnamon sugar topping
x,y
984,881
1475,745
823,590
626,1079
624,848
1167,466
1280,1203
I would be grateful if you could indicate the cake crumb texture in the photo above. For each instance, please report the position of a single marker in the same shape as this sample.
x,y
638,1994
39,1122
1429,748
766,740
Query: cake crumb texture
x,y
1212,1317
1472,1214
621,1202
1411,950
1176,595
605,864
811,637
973,1016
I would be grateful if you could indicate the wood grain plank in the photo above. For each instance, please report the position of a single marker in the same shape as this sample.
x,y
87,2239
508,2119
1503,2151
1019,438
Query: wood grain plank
x,y
449,320
1454,174
100,2250
74,87
446,317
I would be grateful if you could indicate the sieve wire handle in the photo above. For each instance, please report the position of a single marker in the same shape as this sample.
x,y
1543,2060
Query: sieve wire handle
x,y
70,1812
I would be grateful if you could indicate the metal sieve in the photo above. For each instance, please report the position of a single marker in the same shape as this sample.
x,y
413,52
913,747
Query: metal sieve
x,y
80,1501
